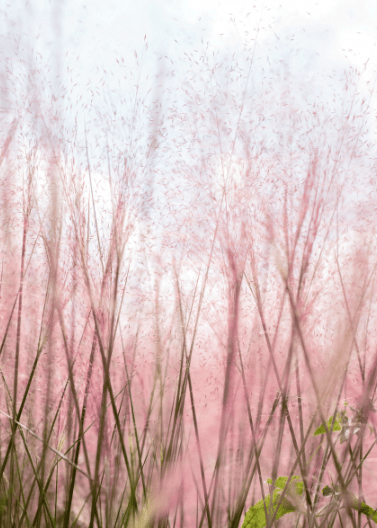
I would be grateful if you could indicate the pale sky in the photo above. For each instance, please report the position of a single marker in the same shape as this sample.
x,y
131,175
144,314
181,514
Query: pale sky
x,y
313,36
342,32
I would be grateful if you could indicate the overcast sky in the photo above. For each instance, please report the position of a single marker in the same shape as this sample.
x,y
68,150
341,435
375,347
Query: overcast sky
x,y
341,31
91,37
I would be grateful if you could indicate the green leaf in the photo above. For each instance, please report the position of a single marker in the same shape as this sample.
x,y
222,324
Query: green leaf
x,y
367,510
337,426
353,502
281,482
256,517
362,507
326,491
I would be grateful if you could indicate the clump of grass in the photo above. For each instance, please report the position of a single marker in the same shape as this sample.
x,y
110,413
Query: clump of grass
x,y
188,344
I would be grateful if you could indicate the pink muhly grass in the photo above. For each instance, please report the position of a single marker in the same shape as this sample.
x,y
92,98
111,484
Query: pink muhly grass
x,y
168,345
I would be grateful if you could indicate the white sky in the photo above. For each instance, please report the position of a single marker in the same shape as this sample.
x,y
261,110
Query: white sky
x,y
324,35
314,35
340,31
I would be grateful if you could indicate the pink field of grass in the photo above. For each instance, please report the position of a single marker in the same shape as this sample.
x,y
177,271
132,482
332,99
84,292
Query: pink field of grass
x,y
187,294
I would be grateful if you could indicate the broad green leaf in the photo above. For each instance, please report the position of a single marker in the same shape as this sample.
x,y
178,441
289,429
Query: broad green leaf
x,y
281,482
256,517
337,426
